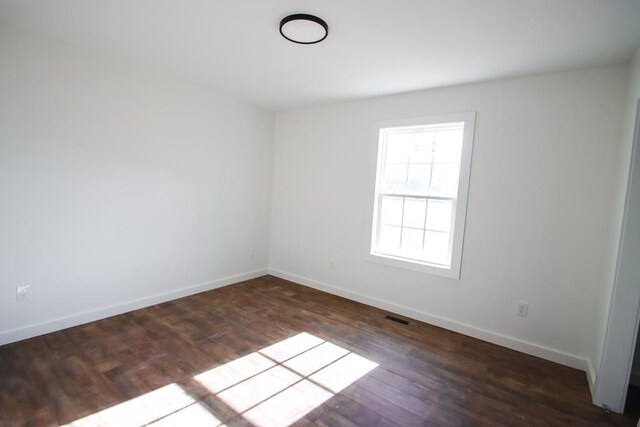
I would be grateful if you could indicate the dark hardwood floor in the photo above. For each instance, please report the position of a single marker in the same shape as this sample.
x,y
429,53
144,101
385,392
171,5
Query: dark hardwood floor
x,y
271,352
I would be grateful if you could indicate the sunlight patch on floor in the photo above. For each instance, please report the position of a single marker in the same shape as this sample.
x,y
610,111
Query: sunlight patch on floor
x,y
290,347
342,373
232,373
273,387
289,406
280,384
195,415
141,410
249,393
315,359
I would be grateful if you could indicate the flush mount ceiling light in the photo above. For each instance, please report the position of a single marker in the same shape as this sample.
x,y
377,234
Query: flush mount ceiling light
x,y
304,29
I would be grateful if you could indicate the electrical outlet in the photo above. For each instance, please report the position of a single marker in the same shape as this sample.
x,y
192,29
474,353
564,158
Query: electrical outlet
x,y
522,308
252,252
22,292
332,264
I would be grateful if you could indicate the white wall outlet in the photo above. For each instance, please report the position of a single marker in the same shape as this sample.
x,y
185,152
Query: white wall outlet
x,y
252,252
332,264
22,292
522,308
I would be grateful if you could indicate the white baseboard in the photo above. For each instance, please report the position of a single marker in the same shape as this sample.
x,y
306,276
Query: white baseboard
x,y
13,335
543,352
526,347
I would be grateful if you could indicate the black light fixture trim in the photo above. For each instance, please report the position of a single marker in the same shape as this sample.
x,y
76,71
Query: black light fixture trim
x,y
304,17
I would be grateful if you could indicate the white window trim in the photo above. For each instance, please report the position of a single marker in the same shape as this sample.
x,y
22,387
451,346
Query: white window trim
x,y
460,210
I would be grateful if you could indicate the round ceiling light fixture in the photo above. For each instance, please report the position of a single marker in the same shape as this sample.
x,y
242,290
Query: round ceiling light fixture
x,y
304,29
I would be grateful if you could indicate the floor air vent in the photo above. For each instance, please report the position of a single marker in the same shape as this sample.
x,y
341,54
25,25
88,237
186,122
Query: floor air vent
x,y
395,319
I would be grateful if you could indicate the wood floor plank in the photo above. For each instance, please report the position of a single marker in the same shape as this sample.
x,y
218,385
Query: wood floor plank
x,y
405,375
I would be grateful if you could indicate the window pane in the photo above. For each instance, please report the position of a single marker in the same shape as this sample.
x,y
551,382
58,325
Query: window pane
x,y
391,210
389,239
439,215
419,176
436,247
444,181
395,179
412,242
448,147
398,147
420,150
414,210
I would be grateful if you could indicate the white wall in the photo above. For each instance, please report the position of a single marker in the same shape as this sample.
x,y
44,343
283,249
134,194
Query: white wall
x,y
540,212
119,187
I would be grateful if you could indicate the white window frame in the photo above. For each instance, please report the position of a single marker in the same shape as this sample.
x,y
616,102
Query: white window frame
x,y
460,202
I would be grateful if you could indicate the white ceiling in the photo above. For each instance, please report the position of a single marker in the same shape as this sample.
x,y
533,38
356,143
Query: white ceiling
x,y
374,47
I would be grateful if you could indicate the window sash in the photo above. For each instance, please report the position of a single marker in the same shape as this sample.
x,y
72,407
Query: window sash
x,y
377,249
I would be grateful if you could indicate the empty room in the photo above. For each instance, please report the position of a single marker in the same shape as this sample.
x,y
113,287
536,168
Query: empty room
x,y
335,213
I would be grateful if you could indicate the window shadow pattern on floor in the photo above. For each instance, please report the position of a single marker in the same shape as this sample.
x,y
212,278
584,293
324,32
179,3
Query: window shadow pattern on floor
x,y
272,387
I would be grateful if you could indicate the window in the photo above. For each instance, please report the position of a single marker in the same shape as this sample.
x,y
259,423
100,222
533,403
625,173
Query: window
x,y
421,183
